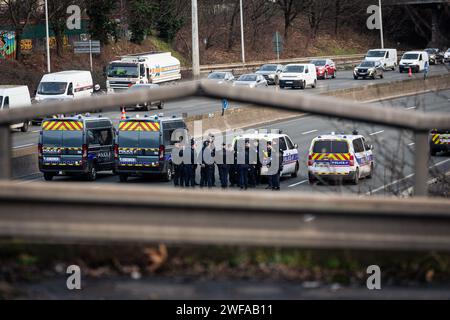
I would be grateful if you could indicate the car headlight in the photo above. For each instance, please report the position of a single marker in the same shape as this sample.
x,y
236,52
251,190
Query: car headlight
x,y
252,85
271,76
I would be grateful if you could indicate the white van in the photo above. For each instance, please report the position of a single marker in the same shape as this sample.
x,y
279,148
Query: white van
x,y
387,57
65,85
13,97
415,60
298,76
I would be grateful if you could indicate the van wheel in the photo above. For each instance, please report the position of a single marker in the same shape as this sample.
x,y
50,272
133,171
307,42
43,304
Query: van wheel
x,y
356,178
303,85
25,126
315,84
311,178
433,152
48,176
369,176
168,174
381,76
92,174
123,177
295,173
355,77
161,105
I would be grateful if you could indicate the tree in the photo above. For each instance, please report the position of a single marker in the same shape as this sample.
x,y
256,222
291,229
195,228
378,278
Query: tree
x,y
291,9
141,15
19,13
101,24
168,23
57,11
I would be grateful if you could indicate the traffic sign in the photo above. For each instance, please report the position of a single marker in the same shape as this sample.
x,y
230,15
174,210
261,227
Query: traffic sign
x,y
224,104
87,47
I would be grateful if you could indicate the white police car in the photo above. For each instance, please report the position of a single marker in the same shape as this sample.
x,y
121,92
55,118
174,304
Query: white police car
x,y
291,163
346,157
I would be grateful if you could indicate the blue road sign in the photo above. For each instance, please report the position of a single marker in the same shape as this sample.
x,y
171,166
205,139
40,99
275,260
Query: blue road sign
x,y
224,104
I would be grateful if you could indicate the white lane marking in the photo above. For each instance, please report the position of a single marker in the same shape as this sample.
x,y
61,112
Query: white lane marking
x,y
410,108
36,131
411,144
308,132
298,183
403,179
375,133
24,146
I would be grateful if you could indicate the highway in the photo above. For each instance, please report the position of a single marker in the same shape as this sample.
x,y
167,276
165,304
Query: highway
x,y
393,148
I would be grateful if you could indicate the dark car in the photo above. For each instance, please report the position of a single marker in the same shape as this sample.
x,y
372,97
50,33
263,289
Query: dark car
x,y
435,55
368,69
78,145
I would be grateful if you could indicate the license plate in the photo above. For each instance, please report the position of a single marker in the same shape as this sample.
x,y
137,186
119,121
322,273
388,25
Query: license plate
x,y
289,82
128,160
51,159
322,165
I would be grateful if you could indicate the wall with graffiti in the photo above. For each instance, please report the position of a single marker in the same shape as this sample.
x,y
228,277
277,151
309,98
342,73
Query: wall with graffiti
x,y
7,45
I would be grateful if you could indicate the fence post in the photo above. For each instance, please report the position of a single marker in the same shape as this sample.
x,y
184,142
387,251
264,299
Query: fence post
x,y
421,156
5,152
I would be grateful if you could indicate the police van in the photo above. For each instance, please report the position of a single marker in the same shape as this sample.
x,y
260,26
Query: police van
x,y
339,156
290,164
439,141
80,145
144,146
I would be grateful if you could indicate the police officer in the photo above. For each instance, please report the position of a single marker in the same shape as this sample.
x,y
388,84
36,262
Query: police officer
x,y
191,165
213,168
243,167
223,165
178,179
272,152
207,165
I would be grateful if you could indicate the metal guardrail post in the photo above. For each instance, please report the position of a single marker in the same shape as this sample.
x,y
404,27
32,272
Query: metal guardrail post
x,y
5,152
421,157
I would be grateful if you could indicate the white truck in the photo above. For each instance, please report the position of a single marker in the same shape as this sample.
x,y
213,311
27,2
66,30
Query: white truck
x,y
387,57
152,67
12,97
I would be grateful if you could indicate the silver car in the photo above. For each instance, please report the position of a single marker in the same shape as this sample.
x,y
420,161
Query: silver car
x,y
221,77
251,81
271,72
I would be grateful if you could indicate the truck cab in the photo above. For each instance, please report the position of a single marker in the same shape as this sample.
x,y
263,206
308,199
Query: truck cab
x,y
79,145
144,146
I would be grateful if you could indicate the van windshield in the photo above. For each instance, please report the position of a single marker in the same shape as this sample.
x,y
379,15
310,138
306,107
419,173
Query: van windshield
x,y
376,54
52,88
410,56
294,69
66,139
139,139
127,70
330,146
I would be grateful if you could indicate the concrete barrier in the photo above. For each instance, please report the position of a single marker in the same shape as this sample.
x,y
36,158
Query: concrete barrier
x,y
393,89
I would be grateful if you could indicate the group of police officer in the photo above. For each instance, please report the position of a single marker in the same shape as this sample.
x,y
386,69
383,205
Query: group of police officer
x,y
235,168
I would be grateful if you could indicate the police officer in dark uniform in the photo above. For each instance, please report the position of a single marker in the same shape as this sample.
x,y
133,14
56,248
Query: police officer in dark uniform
x,y
178,179
191,165
274,151
223,165
243,168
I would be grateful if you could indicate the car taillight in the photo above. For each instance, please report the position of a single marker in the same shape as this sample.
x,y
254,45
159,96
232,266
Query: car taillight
x,y
40,153
116,151
352,160
161,152
310,161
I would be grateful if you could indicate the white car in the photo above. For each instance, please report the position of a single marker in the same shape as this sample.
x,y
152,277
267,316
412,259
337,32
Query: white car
x,y
416,60
298,76
12,97
291,163
251,81
447,55
346,157
387,57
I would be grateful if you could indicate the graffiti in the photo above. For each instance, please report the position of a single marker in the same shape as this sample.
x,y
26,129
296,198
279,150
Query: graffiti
x,y
7,45
26,45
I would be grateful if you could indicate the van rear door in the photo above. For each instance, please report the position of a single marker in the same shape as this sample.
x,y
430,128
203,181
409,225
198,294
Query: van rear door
x,y
62,143
331,154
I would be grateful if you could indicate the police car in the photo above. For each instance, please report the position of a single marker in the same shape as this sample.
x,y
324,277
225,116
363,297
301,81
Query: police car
x,y
144,146
80,145
439,141
339,156
291,163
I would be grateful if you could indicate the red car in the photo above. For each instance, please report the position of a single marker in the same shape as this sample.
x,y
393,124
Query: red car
x,y
325,68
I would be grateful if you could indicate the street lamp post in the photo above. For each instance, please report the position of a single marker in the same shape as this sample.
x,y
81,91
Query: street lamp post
x,y
242,33
381,25
195,45
47,37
